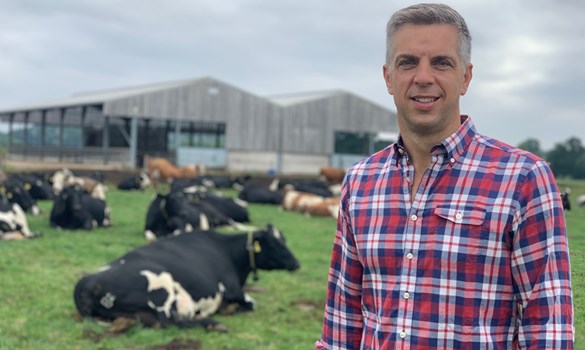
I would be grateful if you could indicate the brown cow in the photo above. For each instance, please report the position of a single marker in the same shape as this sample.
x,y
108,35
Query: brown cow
x,y
332,175
161,168
310,204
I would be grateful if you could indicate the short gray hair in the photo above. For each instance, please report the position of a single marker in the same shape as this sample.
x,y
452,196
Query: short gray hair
x,y
422,14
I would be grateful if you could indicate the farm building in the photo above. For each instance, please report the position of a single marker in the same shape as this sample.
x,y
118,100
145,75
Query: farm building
x,y
204,121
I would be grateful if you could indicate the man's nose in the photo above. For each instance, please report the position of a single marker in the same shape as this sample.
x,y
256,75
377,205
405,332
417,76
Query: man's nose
x,y
424,74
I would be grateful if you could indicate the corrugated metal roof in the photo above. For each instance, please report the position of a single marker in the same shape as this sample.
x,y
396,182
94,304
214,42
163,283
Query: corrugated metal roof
x,y
302,97
101,96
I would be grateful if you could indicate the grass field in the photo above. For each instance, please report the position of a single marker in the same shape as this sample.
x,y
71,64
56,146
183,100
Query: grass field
x,y
37,279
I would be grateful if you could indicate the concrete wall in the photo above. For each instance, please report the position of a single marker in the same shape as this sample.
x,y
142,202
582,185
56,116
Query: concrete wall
x,y
267,163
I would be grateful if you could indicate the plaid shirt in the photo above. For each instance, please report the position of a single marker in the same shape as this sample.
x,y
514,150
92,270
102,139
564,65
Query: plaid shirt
x,y
478,259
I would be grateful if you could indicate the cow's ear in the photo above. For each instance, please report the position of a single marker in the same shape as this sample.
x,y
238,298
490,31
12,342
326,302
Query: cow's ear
x,y
257,247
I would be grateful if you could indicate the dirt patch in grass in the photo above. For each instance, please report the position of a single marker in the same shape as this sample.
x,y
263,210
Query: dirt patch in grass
x,y
177,344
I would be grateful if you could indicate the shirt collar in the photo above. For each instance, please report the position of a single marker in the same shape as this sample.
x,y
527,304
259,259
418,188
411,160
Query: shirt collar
x,y
459,141
453,146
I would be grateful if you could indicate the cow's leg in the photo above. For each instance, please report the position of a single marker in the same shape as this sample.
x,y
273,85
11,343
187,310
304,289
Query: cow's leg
x,y
12,236
107,217
242,300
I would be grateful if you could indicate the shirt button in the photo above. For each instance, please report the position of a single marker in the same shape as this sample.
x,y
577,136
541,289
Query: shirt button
x,y
409,256
406,295
452,160
403,334
459,216
413,217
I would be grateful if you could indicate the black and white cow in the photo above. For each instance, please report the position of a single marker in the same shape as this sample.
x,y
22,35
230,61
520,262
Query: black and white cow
x,y
138,182
13,190
13,223
37,185
234,208
189,185
565,199
74,208
183,280
170,214
314,186
261,194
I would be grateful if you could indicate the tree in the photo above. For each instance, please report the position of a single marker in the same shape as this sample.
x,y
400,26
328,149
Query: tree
x,y
533,146
566,159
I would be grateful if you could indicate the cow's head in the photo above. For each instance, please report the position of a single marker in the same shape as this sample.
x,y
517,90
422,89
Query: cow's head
x,y
16,193
144,180
271,252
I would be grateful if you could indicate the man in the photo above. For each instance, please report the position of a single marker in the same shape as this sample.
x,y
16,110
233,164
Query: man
x,y
446,239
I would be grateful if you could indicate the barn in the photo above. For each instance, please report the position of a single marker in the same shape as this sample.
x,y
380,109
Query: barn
x,y
204,121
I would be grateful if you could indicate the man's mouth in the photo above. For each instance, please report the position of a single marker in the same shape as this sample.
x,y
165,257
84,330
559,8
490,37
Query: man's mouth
x,y
425,99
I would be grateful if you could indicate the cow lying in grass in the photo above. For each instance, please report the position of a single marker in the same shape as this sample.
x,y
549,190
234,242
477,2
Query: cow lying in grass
x,y
74,208
183,280
162,169
13,223
310,204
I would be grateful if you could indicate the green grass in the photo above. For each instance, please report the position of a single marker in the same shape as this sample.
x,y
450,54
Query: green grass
x,y
37,278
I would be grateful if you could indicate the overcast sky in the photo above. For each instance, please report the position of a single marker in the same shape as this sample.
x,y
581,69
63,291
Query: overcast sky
x,y
527,54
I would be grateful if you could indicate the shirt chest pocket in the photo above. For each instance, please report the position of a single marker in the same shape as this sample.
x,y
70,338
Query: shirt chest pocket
x,y
459,233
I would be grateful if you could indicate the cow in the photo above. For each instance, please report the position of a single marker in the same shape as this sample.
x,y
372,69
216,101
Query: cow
x,y
565,199
581,200
13,223
58,179
65,177
234,208
171,214
315,186
332,175
37,185
310,204
138,182
183,280
75,209
161,168
189,185
13,190
261,194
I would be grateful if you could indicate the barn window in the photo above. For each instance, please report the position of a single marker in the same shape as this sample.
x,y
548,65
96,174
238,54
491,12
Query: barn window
x,y
353,142
362,143
197,134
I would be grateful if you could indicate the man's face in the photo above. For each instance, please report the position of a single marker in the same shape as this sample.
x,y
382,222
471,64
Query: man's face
x,y
426,77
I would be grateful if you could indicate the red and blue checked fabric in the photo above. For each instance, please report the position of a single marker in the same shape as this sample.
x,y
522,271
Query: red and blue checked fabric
x,y
476,259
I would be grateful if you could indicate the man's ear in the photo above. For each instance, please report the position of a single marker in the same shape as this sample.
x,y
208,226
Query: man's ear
x,y
467,79
387,78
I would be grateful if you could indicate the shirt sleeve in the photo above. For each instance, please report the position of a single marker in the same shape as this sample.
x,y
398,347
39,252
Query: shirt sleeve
x,y
540,265
343,319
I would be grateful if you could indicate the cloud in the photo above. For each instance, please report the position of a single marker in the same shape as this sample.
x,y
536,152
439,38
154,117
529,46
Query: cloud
x,y
526,53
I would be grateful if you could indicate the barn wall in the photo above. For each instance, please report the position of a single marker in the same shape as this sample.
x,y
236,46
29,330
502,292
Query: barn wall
x,y
261,162
251,121
303,164
310,126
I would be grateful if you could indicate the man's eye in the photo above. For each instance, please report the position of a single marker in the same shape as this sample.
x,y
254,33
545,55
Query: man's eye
x,y
406,63
443,63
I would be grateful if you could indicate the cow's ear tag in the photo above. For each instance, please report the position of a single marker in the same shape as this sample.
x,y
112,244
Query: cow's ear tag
x,y
27,186
257,248
9,195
